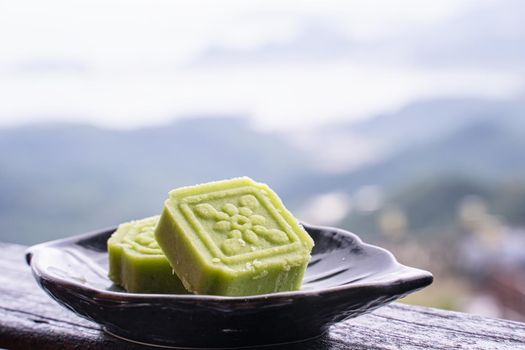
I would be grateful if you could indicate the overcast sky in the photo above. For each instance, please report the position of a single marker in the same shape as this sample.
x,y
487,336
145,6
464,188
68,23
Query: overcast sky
x,y
282,63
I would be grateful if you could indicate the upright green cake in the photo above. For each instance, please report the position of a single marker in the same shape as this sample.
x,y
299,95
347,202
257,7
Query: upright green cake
x,y
233,237
136,261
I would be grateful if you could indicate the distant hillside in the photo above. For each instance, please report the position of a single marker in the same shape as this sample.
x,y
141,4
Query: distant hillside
x,y
485,150
430,120
60,179
428,182
431,205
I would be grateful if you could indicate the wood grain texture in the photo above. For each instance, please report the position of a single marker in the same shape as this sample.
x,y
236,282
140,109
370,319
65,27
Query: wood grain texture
x,y
29,319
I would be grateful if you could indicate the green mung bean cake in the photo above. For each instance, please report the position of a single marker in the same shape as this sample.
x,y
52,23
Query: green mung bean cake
x,y
234,238
136,261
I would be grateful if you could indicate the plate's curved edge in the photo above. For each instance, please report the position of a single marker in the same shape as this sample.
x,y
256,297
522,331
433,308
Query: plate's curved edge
x,y
426,277
61,241
417,280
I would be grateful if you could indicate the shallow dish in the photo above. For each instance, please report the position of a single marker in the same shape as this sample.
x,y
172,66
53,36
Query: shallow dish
x,y
345,278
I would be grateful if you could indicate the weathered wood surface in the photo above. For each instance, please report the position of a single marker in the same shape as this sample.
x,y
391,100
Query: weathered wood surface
x,y
29,319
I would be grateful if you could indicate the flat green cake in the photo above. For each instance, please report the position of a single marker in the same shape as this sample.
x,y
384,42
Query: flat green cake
x,y
136,261
233,238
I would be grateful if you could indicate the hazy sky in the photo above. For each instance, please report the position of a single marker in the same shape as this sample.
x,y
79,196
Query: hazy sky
x,y
283,63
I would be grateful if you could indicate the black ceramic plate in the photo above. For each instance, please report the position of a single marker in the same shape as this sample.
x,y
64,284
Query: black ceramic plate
x,y
344,279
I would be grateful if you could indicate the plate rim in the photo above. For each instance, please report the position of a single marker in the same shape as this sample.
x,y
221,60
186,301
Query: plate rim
x,y
421,278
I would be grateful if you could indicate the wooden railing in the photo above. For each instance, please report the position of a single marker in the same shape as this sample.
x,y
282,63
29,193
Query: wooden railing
x,y
29,319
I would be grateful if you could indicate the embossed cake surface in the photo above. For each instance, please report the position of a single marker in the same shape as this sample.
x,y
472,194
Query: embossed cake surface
x,y
139,236
235,228
241,225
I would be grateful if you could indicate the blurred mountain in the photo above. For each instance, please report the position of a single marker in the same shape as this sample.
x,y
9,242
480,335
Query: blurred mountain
x,y
489,150
489,147
433,119
427,206
434,207
436,153
60,179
